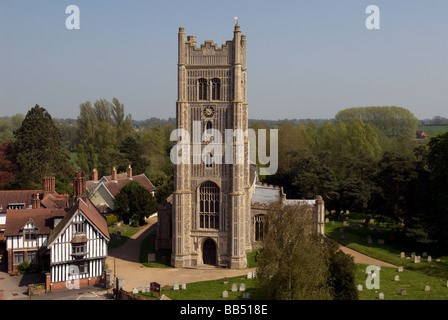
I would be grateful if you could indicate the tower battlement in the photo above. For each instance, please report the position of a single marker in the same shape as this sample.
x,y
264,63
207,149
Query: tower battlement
x,y
210,53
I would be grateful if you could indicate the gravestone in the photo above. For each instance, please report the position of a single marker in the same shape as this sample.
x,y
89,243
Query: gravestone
x,y
151,257
381,296
360,287
429,258
332,222
242,287
135,291
427,288
176,286
369,238
344,223
417,259
145,289
424,254
412,254
403,292
184,286
400,269
225,294
234,287
245,295
327,220
226,280
249,275
254,274
402,255
397,278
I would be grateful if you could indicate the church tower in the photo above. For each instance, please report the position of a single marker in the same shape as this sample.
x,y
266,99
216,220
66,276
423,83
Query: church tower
x,y
211,205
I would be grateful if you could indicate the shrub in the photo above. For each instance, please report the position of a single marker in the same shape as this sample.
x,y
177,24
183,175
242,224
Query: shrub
x,y
24,267
111,219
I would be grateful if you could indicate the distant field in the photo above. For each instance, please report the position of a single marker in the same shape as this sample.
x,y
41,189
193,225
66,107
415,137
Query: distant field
x,y
433,130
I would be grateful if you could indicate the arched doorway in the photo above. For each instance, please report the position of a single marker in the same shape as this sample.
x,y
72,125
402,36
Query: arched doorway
x,y
209,252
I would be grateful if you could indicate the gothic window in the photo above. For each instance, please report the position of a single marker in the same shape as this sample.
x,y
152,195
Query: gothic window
x,y
216,89
258,227
209,206
202,86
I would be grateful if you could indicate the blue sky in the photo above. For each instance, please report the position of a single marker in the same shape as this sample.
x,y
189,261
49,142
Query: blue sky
x,y
305,59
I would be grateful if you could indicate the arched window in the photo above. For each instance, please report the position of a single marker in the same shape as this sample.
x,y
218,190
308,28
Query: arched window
x,y
216,89
202,86
209,206
258,227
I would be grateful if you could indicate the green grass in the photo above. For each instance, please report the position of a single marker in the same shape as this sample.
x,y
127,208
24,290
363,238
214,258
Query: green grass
x,y
163,257
433,130
212,290
388,252
413,282
126,233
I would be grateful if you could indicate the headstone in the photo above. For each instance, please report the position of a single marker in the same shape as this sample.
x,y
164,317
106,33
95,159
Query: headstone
x,y
176,286
381,296
242,287
344,223
417,259
225,294
184,286
429,258
397,278
327,220
249,275
427,288
145,289
332,222
437,260
403,292
234,287
369,238
254,274
400,269
412,254
151,257
245,295
226,280
360,287
402,255
135,291
424,254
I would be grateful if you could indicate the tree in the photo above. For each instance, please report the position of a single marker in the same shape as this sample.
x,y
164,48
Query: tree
x,y
292,264
132,152
134,202
37,151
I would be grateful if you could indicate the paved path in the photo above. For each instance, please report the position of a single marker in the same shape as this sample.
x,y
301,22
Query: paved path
x,y
126,261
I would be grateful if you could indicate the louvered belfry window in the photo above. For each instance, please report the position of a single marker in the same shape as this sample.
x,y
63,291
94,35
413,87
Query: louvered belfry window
x,y
202,86
209,206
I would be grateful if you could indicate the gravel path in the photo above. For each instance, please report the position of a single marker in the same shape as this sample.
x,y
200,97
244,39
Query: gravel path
x,y
125,262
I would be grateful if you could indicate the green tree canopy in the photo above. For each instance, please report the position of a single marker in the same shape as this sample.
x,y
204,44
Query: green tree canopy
x,y
37,151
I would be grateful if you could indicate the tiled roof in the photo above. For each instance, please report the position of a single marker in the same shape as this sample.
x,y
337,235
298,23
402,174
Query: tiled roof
x,y
115,186
42,218
48,200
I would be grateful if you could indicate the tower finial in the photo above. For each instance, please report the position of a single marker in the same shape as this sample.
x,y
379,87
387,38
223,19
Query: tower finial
x,y
236,19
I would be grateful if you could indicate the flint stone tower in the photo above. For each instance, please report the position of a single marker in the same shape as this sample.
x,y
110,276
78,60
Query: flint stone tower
x,y
211,205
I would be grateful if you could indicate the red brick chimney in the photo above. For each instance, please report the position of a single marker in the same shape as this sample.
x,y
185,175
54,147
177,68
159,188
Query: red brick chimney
x,y
35,201
129,171
95,175
114,173
79,186
49,184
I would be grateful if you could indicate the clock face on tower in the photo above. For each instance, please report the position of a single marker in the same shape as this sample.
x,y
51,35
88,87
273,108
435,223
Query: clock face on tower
x,y
208,111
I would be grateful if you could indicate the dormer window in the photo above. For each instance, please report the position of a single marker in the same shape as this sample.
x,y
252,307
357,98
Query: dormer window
x,y
29,234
